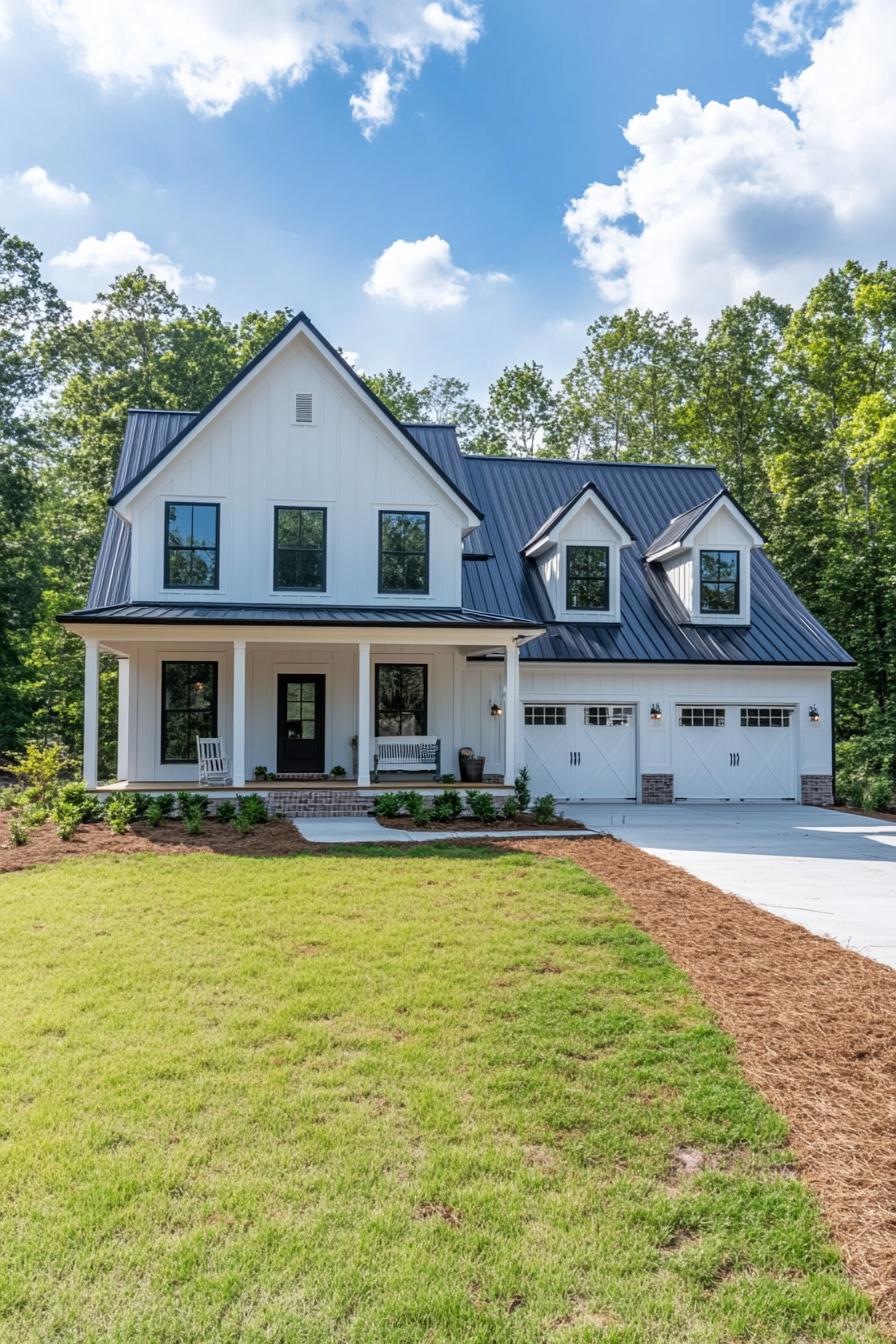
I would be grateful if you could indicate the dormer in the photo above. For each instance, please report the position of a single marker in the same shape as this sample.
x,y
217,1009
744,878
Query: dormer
x,y
577,552
705,554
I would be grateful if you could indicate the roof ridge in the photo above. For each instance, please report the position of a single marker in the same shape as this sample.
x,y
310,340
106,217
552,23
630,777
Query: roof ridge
x,y
590,462
158,410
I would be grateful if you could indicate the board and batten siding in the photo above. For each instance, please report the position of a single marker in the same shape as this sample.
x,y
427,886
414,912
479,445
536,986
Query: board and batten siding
x,y
250,457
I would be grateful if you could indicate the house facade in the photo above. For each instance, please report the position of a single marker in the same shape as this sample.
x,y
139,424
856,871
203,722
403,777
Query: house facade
x,y
295,572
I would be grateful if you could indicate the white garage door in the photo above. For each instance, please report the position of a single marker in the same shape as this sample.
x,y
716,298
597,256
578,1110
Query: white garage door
x,y
734,752
578,751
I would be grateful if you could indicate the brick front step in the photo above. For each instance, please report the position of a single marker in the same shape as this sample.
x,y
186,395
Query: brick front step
x,y
319,803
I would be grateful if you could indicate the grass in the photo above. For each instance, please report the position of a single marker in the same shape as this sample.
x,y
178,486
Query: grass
x,y
390,1100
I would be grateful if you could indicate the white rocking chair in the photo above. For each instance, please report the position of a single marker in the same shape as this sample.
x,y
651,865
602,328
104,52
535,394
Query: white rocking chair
x,y
214,766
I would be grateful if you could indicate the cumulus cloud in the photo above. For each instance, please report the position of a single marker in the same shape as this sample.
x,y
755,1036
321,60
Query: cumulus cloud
x,y
102,259
725,198
785,25
213,52
422,274
37,183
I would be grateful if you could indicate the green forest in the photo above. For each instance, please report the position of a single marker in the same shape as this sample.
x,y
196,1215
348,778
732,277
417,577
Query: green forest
x,y
795,406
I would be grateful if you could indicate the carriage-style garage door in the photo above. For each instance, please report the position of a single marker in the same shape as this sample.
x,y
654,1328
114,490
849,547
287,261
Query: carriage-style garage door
x,y
734,752
579,751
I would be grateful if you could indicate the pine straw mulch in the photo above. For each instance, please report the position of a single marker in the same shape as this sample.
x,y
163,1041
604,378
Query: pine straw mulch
x,y
271,840
815,1028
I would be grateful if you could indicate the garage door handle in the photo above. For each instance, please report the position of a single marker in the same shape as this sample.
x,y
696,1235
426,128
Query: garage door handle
x,y
734,758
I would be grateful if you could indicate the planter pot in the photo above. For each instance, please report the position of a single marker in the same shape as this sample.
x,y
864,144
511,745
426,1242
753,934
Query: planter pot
x,y
471,769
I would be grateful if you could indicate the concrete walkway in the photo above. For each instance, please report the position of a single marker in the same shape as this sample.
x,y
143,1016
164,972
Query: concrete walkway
x,y
832,872
368,831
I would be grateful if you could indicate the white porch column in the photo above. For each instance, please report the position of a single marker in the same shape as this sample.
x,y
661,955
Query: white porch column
x,y
124,717
91,710
364,713
511,710
239,712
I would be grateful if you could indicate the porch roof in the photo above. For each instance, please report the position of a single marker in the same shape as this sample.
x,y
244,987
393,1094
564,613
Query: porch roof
x,y
217,613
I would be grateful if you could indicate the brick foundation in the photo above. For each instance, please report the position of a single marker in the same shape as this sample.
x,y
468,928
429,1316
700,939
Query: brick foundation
x,y
657,789
816,790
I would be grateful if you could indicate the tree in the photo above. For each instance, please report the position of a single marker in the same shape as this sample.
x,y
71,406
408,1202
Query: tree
x,y
447,401
521,404
397,393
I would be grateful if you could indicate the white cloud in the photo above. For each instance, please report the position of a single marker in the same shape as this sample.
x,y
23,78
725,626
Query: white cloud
x,y
419,275
211,53
785,25
102,259
36,182
725,198
5,22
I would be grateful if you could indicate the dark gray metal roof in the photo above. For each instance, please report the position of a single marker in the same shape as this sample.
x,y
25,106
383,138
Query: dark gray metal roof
x,y
516,494
219,613
147,436
589,488
680,528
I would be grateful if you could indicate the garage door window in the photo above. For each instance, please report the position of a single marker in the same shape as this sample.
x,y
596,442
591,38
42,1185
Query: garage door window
x,y
608,716
765,716
702,716
545,716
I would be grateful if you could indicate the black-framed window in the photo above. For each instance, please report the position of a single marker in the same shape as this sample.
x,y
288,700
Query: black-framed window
x,y
300,547
404,552
401,700
719,583
189,709
191,545
588,578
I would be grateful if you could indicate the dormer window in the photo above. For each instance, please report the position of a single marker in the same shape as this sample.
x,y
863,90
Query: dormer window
x,y
719,583
588,578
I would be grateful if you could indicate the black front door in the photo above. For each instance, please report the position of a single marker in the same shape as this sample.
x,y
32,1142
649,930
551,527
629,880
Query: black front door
x,y
300,725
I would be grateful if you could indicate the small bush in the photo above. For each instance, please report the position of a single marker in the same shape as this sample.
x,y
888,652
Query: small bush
x,y
448,806
10,798
251,805
192,802
141,803
522,789
853,791
510,808
543,809
879,794
154,813
120,812
241,823
74,794
35,814
482,805
192,821
338,772
18,831
225,811
39,769
415,806
387,805
165,803
67,818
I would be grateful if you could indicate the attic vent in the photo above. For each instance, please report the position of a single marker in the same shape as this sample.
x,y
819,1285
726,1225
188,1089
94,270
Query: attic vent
x,y
303,411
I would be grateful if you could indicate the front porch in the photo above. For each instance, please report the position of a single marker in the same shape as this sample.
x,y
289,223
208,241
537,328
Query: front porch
x,y
299,703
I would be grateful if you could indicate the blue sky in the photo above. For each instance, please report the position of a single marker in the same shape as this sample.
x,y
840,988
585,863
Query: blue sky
x,y
495,117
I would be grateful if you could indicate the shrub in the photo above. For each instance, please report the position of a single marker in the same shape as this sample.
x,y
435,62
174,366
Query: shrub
x,y
482,805
511,807
387,805
192,821
141,803
120,812
241,823
338,772
154,813
543,809
448,806
18,831
74,794
67,818
522,789
35,814
879,794
192,802
165,803
415,806
39,769
9,798
252,806
225,811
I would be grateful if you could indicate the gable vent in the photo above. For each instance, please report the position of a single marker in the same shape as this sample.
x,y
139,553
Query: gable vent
x,y
304,413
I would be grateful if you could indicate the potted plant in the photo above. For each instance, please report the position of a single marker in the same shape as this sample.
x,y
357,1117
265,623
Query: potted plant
x,y
337,772
471,766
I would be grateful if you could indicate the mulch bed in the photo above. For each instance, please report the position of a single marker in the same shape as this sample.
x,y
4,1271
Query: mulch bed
x,y
270,840
472,824
815,1029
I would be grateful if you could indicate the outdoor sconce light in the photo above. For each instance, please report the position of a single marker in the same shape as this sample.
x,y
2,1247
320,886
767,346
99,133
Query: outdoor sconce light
x,y
655,713
814,715
497,711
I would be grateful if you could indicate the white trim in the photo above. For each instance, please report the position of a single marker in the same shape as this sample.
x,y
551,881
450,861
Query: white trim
x,y
91,711
592,497
593,617
239,713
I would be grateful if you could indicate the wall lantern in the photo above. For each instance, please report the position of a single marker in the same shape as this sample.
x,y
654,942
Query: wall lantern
x,y
655,712
814,715
496,711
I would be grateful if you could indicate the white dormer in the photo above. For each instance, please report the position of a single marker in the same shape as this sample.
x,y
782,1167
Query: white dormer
x,y
577,553
706,556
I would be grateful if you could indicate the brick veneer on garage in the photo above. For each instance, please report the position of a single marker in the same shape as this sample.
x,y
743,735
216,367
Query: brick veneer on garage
x,y
816,790
657,789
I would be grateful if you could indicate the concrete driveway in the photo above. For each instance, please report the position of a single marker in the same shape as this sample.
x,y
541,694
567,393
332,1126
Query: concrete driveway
x,y
829,871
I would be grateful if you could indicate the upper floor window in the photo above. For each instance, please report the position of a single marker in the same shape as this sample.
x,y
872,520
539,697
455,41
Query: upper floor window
x,y
588,578
191,545
719,583
300,548
404,552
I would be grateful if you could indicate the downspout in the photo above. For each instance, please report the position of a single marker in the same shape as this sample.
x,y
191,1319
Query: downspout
x,y
833,744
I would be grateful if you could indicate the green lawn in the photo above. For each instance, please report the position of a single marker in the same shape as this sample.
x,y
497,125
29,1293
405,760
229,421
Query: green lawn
x,y
412,1099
